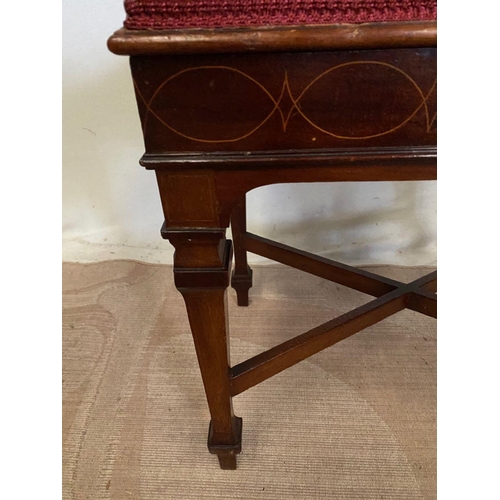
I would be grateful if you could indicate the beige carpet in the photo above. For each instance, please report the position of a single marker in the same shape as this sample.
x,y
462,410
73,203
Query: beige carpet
x,y
354,422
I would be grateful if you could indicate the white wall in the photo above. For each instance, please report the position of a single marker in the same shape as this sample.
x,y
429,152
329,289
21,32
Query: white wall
x,y
111,205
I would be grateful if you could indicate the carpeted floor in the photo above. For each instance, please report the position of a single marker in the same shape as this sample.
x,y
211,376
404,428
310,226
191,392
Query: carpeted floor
x,y
354,422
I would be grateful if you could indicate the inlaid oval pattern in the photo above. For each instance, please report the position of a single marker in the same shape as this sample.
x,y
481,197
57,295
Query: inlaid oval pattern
x,y
241,105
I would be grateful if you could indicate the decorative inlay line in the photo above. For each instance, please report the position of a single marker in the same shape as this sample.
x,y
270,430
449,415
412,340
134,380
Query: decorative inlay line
x,y
286,90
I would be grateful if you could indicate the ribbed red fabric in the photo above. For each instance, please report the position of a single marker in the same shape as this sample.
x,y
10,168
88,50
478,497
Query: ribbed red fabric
x,y
169,14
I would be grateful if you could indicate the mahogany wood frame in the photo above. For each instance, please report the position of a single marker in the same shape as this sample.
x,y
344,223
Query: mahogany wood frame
x,y
207,156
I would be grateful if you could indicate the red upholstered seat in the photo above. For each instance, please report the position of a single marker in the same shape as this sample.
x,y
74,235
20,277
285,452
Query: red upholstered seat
x,y
171,14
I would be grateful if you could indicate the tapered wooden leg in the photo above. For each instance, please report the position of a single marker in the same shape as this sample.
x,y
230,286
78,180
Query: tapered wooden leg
x,y
204,289
241,279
